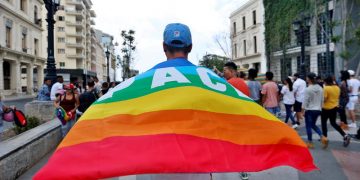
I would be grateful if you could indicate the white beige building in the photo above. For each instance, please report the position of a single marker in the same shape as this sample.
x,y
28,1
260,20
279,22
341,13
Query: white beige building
x,y
22,56
98,58
72,39
247,36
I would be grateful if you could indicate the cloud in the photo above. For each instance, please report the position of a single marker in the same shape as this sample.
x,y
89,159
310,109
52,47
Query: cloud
x,y
206,18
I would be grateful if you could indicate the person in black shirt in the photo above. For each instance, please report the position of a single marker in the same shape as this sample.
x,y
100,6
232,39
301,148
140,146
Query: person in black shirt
x,y
88,97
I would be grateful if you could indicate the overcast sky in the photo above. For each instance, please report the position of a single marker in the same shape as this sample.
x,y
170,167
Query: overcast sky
x,y
206,19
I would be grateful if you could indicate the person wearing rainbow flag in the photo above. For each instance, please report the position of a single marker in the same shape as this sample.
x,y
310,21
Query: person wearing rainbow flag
x,y
175,118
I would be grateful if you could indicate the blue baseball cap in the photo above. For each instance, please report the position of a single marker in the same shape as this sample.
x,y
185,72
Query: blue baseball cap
x,y
177,35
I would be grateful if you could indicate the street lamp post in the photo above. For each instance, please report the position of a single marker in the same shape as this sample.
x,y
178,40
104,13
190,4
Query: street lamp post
x,y
107,53
301,26
52,7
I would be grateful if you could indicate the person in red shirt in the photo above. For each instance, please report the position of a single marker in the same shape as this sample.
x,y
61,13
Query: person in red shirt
x,y
230,74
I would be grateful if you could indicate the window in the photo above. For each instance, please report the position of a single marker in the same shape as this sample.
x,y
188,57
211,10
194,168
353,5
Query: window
x,y
23,40
244,47
23,70
8,37
257,66
61,18
23,5
62,64
36,47
61,29
36,20
255,45
306,64
235,50
61,51
321,27
285,68
254,17
325,67
234,28
61,40
244,23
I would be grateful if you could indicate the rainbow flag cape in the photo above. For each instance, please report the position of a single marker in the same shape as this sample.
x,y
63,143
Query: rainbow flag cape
x,y
175,118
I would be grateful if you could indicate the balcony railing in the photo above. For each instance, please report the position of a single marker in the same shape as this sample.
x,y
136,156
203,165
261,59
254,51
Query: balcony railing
x,y
76,56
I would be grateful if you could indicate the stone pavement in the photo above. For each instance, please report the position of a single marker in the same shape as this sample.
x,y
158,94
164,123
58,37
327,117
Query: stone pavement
x,y
334,163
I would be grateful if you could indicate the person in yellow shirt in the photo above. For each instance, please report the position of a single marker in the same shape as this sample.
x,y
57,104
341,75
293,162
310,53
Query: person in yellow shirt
x,y
330,108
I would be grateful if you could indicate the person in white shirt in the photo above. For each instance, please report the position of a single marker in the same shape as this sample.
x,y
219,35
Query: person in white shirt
x,y
56,88
354,86
289,100
299,87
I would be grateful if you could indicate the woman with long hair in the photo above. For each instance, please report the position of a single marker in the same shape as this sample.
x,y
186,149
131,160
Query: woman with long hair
x,y
344,98
289,100
69,102
330,108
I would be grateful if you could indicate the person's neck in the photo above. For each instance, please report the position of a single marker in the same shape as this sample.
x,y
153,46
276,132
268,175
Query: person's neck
x,y
177,55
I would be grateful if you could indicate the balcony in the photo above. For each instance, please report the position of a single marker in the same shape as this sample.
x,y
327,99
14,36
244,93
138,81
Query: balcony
x,y
77,34
77,23
92,13
75,12
75,56
75,2
76,45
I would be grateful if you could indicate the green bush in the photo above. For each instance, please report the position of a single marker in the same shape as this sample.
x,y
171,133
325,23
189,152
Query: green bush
x,y
31,123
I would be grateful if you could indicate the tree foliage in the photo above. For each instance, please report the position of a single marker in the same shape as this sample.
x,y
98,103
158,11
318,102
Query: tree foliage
x,y
128,49
279,16
211,60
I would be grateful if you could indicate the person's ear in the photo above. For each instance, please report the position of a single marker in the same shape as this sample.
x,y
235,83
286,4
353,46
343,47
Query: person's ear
x,y
189,49
164,47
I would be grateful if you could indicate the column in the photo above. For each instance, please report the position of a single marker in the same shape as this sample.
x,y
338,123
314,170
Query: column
x,y
29,78
40,75
16,77
1,74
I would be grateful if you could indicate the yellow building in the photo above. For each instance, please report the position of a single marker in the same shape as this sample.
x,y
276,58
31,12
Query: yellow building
x,y
73,40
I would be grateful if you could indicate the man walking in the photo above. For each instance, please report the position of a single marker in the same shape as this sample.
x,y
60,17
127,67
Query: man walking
x,y
354,86
44,93
313,100
88,97
230,74
270,92
299,92
56,88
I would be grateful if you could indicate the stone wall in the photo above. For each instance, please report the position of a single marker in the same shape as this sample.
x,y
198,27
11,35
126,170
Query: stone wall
x,y
20,153
44,110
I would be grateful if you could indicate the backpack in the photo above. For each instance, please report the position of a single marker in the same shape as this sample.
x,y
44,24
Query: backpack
x,y
19,118
8,116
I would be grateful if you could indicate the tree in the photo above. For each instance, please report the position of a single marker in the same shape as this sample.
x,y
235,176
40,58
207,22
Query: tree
x,y
211,60
223,41
128,49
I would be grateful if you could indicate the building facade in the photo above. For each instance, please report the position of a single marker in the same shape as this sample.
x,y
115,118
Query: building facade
x,y
98,58
72,38
247,36
284,65
22,56
107,42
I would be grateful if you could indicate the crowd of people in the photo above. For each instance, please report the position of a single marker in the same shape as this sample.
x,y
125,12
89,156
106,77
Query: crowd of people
x,y
72,98
304,99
